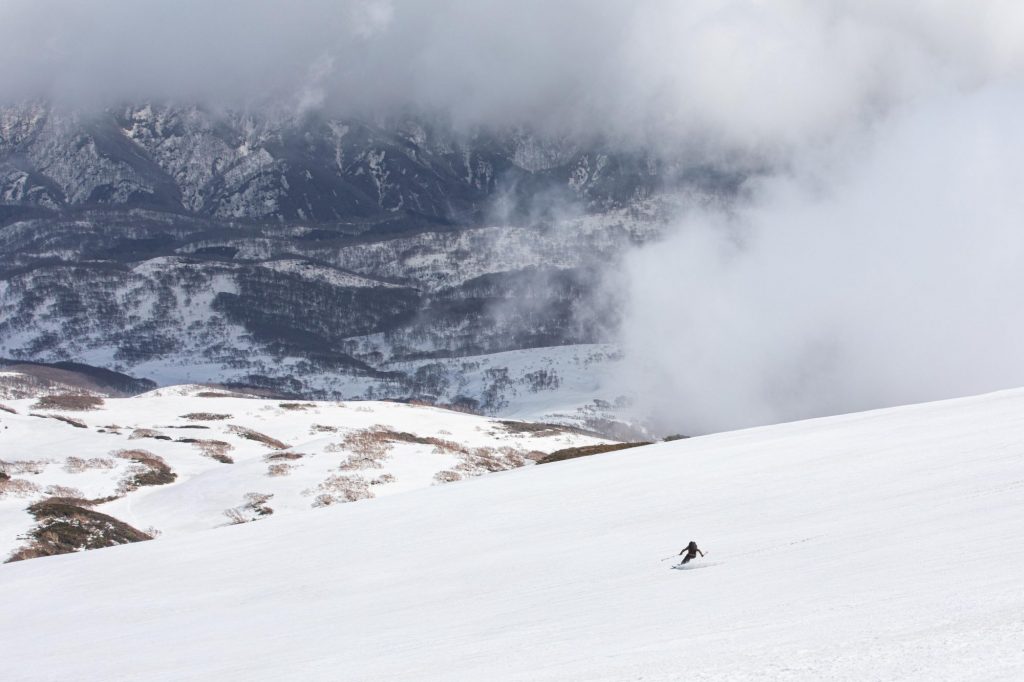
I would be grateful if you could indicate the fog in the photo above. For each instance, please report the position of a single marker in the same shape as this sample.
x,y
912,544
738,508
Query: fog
x,y
887,269
754,76
877,260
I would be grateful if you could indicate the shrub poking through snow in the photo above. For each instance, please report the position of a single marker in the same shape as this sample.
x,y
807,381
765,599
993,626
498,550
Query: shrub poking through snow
x,y
17,487
280,469
62,418
283,455
369,448
249,434
343,488
215,449
148,469
63,525
69,401
205,416
4,408
63,491
76,465
534,429
478,461
255,507
447,477
147,433
295,406
24,466
586,451
360,462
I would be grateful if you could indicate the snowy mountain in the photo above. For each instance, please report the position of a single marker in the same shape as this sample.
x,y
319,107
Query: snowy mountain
x,y
78,471
880,545
320,257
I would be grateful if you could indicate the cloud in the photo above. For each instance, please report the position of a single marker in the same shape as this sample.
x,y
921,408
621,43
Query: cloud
x,y
884,271
749,76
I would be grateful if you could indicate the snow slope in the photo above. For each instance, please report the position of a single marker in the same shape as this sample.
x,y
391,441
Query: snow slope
x,y
883,545
225,448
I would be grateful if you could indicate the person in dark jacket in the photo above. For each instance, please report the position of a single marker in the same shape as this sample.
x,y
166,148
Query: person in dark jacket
x,y
691,550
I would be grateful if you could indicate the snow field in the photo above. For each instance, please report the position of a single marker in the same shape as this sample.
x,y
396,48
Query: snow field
x,y
882,545
339,450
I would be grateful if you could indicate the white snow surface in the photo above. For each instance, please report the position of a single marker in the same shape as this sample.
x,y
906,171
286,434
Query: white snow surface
x,y
883,545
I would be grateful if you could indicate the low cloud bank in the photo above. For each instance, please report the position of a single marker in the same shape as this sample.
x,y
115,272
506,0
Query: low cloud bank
x,y
887,269
744,77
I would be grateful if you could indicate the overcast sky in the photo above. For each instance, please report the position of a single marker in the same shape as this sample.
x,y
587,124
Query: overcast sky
x,y
754,74
881,262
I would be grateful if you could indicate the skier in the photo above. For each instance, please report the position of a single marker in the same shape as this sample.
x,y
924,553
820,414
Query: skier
x,y
692,550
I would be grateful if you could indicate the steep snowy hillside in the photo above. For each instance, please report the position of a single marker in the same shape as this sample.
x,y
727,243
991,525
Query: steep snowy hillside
x,y
882,545
188,458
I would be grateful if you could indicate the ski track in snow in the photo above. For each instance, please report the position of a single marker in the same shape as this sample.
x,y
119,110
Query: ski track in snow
x,y
883,545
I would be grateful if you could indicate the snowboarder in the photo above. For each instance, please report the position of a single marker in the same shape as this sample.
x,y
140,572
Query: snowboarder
x,y
691,550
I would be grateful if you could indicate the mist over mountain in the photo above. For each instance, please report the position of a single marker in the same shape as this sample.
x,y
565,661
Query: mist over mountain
x,y
282,285
749,211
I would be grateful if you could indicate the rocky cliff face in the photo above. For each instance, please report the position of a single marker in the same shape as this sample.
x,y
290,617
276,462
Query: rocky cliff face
x,y
184,244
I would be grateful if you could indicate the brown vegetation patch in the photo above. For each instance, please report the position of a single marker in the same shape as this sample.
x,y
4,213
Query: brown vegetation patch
x,y
4,408
149,469
63,491
24,466
76,465
249,434
69,401
205,416
447,477
214,449
367,443
255,507
65,526
586,451
488,460
322,428
61,418
280,469
534,429
17,487
284,455
148,433
403,437
336,489
295,406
